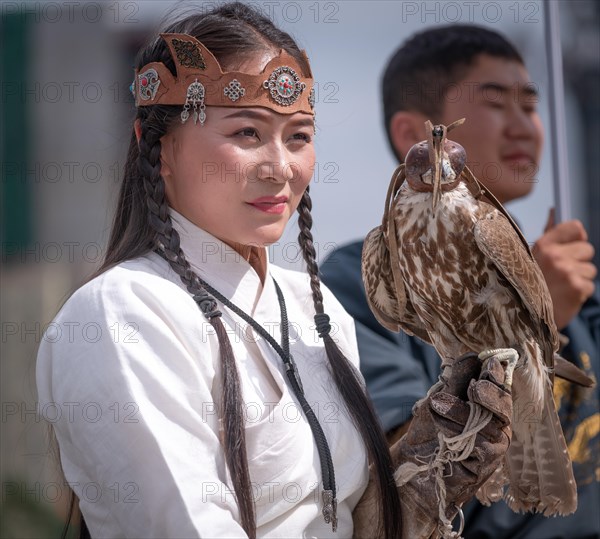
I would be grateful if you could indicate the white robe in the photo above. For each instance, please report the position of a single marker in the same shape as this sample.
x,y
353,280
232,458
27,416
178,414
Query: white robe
x,y
128,374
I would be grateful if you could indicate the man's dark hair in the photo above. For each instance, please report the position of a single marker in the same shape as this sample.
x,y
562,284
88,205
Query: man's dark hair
x,y
417,76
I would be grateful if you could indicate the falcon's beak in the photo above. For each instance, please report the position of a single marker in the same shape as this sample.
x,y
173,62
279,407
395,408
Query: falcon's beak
x,y
437,186
435,157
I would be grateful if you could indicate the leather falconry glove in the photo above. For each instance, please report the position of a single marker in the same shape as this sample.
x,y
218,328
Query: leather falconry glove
x,y
457,438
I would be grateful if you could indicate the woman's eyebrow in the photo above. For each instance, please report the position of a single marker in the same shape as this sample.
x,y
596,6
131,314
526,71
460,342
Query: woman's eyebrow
x,y
309,122
264,117
246,113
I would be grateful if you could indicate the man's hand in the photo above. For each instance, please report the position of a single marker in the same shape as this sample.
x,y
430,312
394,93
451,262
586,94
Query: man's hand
x,y
565,255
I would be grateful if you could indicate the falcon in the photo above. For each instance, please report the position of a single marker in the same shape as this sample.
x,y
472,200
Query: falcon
x,y
450,266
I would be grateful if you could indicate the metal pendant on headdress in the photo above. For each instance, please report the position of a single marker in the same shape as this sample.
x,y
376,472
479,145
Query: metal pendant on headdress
x,y
148,83
311,102
284,85
194,99
311,98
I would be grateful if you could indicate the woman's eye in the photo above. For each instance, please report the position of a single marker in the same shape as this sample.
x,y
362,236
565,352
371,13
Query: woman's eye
x,y
302,136
248,132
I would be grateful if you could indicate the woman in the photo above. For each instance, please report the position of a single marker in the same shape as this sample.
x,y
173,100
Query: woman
x,y
223,404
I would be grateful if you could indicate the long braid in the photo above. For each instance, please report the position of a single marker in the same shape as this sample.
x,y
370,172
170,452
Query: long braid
x,y
168,241
350,386
305,239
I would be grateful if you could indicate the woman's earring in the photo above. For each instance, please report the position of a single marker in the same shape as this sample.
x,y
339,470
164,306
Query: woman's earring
x,y
194,98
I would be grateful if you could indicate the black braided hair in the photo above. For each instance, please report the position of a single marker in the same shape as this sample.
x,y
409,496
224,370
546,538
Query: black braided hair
x,y
350,386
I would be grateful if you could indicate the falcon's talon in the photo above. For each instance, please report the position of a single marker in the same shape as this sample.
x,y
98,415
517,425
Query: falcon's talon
x,y
494,352
511,363
508,357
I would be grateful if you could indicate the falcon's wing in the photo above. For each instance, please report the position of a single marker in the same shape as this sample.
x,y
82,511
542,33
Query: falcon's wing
x,y
497,239
386,297
478,190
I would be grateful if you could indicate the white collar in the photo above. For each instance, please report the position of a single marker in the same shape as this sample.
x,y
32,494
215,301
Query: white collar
x,y
222,267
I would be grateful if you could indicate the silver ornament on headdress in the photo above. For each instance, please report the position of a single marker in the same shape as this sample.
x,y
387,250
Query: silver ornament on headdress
x,y
285,85
234,90
311,98
148,83
195,99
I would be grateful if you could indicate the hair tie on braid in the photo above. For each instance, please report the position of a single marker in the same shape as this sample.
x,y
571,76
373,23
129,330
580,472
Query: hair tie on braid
x,y
323,325
207,304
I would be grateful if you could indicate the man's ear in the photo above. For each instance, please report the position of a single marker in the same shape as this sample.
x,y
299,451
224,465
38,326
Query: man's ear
x,y
406,129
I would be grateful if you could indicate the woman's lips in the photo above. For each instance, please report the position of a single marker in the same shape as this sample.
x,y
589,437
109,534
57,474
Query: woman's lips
x,y
275,205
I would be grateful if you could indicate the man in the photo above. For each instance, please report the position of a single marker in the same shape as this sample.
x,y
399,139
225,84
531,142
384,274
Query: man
x,y
444,74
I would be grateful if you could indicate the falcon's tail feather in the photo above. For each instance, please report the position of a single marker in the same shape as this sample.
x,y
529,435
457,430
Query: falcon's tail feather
x,y
567,371
538,463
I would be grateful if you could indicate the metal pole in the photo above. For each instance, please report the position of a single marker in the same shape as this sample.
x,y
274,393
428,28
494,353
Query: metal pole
x,y
558,142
